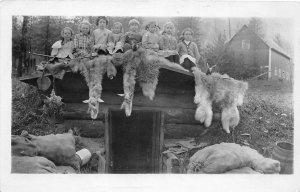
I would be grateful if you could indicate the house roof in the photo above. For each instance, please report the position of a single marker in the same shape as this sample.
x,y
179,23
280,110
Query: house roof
x,y
167,72
269,42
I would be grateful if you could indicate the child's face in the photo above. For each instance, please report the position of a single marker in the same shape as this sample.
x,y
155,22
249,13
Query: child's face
x,y
67,34
117,29
102,23
152,28
169,29
85,29
187,36
134,27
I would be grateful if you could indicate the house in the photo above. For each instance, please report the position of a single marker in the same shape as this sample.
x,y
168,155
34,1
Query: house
x,y
133,144
263,54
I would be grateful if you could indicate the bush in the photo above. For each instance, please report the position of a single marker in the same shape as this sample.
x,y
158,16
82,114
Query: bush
x,y
27,112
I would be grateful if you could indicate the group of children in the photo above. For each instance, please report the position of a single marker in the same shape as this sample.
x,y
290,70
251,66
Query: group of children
x,y
103,41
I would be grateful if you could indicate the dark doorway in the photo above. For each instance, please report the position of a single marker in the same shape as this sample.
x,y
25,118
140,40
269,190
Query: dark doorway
x,y
134,142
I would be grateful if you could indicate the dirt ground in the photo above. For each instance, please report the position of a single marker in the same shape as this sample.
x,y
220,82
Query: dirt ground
x,y
266,116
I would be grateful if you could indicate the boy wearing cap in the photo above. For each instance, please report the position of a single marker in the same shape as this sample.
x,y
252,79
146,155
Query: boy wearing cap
x,y
132,38
103,37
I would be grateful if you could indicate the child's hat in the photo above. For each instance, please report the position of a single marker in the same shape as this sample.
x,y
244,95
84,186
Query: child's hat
x,y
132,21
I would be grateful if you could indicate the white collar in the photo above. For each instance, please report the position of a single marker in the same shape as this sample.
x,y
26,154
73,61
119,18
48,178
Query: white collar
x,y
186,42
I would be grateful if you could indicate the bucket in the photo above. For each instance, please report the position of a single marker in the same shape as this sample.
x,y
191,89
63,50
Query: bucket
x,y
284,152
84,156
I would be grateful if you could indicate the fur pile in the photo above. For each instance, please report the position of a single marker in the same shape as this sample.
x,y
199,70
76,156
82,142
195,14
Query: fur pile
x,y
222,90
144,66
93,71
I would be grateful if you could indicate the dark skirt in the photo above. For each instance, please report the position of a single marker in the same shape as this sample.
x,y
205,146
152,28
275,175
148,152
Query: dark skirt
x,y
188,64
173,58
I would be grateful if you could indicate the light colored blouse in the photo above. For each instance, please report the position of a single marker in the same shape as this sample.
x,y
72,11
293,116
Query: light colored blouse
x,y
102,37
63,50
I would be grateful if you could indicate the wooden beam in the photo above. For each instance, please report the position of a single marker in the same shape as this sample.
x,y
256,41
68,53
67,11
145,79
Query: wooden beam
x,y
86,128
177,131
171,115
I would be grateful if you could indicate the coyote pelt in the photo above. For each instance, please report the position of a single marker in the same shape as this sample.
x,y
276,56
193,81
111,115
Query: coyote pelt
x,y
93,72
222,90
141,65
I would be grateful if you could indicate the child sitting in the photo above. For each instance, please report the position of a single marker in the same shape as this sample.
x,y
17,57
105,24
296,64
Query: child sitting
x,y
151,39
60,50
170,43
132,38
103,37
83,41
117,33
64,47
188,51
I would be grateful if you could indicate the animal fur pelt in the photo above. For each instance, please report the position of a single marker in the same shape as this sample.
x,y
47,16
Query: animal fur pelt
x,y
93,71
144,66
225,92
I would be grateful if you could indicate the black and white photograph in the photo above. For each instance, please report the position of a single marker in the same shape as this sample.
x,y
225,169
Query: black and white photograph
x,y
139,93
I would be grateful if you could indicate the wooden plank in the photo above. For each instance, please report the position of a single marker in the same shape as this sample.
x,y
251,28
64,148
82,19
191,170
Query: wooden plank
x,y
161,141
107,140
171,115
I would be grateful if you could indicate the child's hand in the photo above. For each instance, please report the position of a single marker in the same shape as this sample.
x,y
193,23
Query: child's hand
x,y
96,46
103,47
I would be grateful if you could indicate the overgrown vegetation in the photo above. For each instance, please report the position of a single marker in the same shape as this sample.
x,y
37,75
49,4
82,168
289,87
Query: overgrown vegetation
x,y
27,111
266,117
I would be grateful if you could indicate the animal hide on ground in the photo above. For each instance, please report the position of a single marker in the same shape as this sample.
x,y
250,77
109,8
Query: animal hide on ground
x,y
93,71
224,157
225,92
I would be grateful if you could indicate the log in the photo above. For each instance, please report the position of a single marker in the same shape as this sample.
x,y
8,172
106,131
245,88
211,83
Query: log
x,y
160,100
177,131
171,115
86,128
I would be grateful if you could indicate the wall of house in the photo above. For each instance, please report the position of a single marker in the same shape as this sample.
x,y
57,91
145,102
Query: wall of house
x,y
256,54
174,97
281,67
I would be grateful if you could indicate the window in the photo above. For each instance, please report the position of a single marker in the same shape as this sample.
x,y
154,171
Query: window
x,y
283,74
287,76
275,71
279,72
246,44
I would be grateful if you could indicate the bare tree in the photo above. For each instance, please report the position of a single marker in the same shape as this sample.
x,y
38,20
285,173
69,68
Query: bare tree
x,y
22,57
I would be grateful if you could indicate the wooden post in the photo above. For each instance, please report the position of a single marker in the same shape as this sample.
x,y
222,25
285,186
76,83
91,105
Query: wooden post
x,y
107,143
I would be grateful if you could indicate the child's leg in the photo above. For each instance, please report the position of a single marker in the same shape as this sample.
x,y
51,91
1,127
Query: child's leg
x,y
187,64
176,59
102,52
170,58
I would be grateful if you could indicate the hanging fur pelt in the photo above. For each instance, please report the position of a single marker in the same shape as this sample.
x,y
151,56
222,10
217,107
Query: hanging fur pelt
x,y
225,92
142,65
131,62
93,71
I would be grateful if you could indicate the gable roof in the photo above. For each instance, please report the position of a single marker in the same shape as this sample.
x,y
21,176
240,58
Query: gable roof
x,y
269,42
